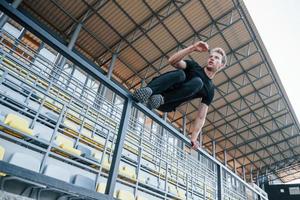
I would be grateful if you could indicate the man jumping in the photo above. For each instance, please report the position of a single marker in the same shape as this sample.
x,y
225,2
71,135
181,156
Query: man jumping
x,y
190,81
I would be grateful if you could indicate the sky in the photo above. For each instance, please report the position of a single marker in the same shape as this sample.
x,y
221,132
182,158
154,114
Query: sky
x,y
278,24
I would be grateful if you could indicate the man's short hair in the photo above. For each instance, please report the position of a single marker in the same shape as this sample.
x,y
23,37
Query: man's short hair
x,y
222,52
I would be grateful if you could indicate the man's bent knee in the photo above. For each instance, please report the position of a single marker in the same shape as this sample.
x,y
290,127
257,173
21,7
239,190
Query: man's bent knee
x,y
181,75
197,81
194,85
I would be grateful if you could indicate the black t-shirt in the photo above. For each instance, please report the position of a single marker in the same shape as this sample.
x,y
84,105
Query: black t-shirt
x,y
192,70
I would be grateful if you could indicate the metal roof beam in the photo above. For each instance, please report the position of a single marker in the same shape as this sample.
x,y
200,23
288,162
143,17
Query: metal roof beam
x,y
148,24
209,26
246,75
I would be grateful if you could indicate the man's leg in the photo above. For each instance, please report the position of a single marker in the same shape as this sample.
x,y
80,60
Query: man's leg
x,y
159,85
173,98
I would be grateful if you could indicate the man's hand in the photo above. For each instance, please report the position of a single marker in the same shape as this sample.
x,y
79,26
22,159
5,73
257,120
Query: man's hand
x,y
201,46
195,144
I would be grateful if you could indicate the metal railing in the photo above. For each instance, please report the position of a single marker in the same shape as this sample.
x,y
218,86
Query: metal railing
x,y
158,152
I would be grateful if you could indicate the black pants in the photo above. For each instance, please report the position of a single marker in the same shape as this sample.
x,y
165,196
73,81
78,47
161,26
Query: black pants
x,y
175,88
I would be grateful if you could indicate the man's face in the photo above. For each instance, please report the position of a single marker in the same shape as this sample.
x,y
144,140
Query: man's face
x,y
214,62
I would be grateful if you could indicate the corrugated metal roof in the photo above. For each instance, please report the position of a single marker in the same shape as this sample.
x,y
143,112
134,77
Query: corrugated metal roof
x,y
251,117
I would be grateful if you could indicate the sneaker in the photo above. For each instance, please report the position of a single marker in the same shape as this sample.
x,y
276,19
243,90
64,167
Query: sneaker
x,y
143,94
155,101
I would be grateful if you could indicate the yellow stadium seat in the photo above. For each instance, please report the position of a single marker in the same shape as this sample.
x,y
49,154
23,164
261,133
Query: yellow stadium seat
x,y
99,139
97,155
86,132
162,172
74,116
142,179
209,189
67,145
71,127
128,172
106,163
52,106
18,123
88,125
131,148
181,193
2,152
172,189
209,195
101,187
125,195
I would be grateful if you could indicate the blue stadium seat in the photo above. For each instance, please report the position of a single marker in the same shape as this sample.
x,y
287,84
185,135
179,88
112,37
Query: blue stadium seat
x,y
84,182
26,161
57,172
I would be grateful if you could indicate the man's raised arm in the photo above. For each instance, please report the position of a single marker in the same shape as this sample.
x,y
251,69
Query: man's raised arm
x,y
176,60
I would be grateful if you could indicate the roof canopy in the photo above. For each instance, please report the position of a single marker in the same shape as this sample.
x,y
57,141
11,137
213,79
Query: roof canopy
x,y
250,119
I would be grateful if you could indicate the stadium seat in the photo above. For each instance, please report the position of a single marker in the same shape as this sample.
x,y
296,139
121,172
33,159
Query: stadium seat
x,y
26,161
106,163
130,151
74,116
19,123
152,180
72,126
209,189
27,91
172,189
125,195
181,193
43,132
52,106
57,172
97,155
52,116
99,139
85,151
128,172
142,180
66,144
84,182
2,117
210,196
2,152
86,133
101,187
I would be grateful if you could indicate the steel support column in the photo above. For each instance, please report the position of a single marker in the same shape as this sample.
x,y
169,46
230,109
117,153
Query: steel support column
x,y
184,125
113,172
75,36
244,173
219,182
251,173
113,62
234,162
225,157
58,69
214,148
